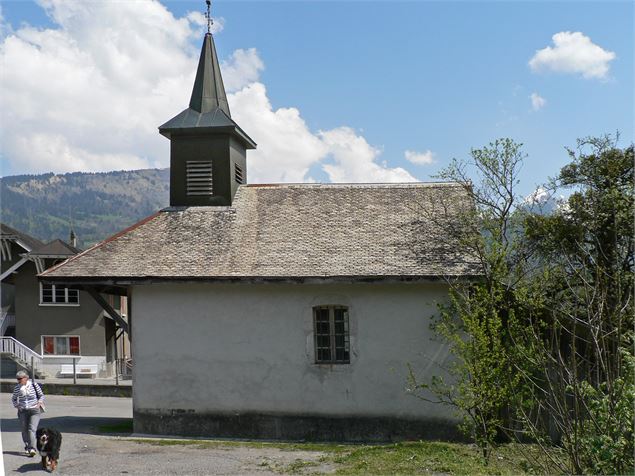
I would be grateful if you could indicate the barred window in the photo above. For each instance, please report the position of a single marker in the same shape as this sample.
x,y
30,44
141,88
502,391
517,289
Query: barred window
x,y
332,336
55,294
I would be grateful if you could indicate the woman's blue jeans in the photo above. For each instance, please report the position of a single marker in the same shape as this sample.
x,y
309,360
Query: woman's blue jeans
x,y
29,420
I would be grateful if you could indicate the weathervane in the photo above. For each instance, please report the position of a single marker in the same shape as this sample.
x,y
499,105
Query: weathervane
x,y
208,15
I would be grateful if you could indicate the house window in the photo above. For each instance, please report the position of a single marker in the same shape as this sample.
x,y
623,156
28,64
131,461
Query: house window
x,y
199,178
60,295
332,336
60,345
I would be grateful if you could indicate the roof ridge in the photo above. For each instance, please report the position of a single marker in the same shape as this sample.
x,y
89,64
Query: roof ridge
x,y
49,248
355,185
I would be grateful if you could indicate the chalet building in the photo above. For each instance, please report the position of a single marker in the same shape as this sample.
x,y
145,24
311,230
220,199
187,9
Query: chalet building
x,y
48,326
278,310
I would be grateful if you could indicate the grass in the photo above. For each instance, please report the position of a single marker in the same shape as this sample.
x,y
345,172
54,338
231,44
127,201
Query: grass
x,y
430,457
331,448
121,427
422,457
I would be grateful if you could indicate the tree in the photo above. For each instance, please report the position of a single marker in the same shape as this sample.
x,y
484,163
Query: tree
x,y
476,321
543,344
580,332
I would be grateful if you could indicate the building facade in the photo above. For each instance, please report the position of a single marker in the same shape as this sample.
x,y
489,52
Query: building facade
x,y
60,324
287,311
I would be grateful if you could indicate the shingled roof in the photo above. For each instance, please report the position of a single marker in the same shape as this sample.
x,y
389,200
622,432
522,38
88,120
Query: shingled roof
x,y
54,249
8,233
289,231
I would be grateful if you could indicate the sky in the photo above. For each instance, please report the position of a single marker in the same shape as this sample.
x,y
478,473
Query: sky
x,y
332,91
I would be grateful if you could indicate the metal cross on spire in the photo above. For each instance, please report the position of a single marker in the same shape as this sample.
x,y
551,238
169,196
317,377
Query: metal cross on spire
x,y
208,15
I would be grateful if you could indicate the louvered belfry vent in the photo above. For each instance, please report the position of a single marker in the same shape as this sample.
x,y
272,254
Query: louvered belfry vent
x,y
239,176
199,177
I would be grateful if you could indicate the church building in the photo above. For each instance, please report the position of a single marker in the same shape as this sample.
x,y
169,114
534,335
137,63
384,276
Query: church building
x,y
284,311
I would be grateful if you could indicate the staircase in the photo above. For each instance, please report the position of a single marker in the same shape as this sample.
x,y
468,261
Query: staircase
x,y
22,356
7,320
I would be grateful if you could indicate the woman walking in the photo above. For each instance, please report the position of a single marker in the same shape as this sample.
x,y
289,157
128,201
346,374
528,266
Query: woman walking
x,y
28,399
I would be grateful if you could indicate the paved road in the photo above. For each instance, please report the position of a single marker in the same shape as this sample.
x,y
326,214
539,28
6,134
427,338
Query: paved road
x,y
87,452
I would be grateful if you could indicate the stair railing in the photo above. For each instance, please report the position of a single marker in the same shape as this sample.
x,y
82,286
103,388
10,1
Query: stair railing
x,y
6,321
20,352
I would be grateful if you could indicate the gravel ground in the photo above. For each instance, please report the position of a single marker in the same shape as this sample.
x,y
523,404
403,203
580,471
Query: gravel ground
x,y
87,452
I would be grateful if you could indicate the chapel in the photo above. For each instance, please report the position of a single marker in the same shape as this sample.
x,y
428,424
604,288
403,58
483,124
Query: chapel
x,y
291,311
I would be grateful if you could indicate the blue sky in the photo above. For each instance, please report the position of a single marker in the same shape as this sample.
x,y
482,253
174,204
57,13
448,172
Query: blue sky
x,y
351,86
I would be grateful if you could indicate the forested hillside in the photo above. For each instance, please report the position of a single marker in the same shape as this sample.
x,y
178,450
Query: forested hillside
x,y
97,204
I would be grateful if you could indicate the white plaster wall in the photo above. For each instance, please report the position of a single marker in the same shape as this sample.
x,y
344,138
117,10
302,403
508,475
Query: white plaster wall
x,y
249,348
52,365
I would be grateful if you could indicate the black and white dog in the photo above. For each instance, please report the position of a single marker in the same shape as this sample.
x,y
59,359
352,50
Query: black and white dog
x,y
49,442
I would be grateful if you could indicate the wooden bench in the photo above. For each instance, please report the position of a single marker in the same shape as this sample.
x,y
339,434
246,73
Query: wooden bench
x,y
80,369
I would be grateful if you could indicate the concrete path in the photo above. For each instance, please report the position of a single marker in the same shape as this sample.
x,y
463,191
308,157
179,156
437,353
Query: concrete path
x,y
86,451
78,381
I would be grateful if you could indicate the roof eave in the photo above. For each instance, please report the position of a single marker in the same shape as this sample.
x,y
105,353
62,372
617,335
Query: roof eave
x,y
145,280
236,131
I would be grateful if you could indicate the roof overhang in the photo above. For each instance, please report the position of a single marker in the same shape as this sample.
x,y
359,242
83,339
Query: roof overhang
x,y
133,281
235,131
5,245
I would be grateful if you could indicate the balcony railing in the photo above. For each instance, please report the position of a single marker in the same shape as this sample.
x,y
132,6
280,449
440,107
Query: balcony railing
x,y
124,368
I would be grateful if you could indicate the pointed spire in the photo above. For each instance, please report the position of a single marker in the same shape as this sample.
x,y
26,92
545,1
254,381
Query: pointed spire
x,y
209,92
208,111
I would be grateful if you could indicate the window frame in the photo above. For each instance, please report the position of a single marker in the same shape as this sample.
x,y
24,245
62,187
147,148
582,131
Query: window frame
x,y
66,302
332,334
68,345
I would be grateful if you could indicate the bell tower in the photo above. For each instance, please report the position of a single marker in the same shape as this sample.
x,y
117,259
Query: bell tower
x,y
208,150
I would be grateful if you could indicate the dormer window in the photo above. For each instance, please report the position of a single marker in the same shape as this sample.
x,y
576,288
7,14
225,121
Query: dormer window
x,y
199,178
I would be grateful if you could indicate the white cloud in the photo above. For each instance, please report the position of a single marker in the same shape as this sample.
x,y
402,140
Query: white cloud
x,y
95,87
537,101
355,160
242,69
286,147
198,18
575,53
90,93
54,148
420,158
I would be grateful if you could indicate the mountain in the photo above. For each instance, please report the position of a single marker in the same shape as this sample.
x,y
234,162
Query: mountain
x,y
97,204
543,201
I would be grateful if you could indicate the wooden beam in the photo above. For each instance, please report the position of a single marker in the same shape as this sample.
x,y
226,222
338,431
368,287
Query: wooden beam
x,y
6,249
110,312
39,265
13,268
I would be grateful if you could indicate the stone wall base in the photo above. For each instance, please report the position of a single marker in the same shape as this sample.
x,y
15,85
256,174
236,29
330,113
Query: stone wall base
x,y
291,427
